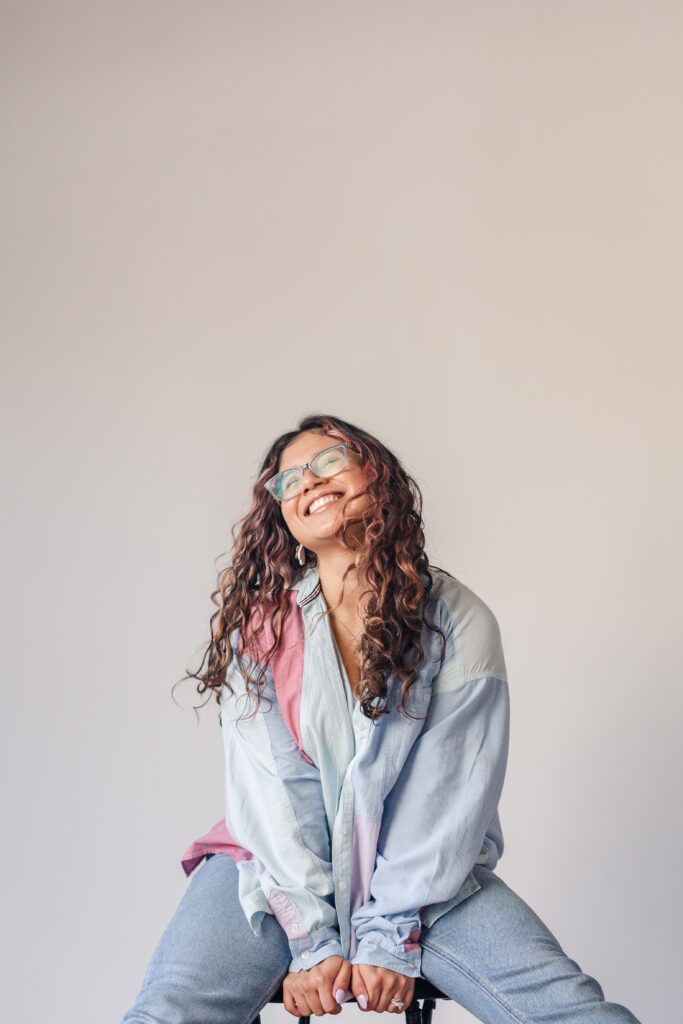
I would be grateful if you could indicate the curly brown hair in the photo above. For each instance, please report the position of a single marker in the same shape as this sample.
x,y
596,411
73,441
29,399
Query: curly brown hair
x,y
390,557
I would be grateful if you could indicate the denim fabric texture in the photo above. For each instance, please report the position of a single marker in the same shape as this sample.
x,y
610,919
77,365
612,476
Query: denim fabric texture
x,y
491,954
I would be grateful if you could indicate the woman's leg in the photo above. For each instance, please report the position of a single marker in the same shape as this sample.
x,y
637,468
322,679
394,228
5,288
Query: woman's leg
x,y
209,967
495,957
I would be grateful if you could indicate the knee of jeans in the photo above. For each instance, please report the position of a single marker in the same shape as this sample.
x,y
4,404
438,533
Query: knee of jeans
x,y
163,1000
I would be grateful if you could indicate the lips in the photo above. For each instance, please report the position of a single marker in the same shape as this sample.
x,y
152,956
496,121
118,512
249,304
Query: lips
x,y
335,495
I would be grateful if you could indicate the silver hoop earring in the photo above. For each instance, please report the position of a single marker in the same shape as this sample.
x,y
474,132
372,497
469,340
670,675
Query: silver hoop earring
x,y
300,554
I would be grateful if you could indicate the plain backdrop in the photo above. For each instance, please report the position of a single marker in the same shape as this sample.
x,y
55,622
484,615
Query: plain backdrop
x,y
455,224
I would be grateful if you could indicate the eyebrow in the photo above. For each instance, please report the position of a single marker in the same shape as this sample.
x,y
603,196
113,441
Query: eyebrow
x,y
334,441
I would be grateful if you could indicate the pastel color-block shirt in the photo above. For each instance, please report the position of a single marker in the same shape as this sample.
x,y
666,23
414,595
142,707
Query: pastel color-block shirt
x,y
354,834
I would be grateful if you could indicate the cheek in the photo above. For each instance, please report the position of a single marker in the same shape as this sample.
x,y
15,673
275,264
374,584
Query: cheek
x,y
289,515
285,515
363,481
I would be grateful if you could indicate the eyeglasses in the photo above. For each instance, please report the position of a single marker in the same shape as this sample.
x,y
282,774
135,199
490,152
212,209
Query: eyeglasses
x,y
327,462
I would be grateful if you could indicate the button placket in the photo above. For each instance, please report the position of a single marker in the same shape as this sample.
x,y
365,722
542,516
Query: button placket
x,y
321,661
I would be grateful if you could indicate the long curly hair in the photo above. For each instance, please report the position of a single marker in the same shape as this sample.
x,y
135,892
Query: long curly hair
x,y
390,556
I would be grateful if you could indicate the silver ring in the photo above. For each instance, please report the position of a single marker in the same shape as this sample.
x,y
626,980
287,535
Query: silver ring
x,y
397,1002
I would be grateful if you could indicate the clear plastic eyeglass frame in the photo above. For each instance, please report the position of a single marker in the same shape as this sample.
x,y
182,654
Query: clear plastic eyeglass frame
x,y
276,483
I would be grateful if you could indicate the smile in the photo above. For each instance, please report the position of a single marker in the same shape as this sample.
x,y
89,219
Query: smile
x,y
320,503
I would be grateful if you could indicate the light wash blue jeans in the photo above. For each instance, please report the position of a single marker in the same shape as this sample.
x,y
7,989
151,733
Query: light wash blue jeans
x,y
491,954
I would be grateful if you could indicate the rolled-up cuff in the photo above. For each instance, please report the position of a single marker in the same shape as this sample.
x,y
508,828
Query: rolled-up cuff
x,y
316,947
376,952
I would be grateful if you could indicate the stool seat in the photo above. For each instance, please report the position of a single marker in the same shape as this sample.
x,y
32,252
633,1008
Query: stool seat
x,y
415,1014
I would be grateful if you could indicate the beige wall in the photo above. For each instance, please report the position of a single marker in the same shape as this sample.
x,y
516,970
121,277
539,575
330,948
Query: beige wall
x,y
455,224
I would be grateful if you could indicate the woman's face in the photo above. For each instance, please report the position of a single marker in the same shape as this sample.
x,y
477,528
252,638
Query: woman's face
x,y
314,527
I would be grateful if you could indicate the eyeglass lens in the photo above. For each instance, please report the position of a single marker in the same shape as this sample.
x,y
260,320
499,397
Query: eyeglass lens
x,y
325,463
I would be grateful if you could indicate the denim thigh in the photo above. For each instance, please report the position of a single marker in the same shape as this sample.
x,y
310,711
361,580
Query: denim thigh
x,y
494,956
209,967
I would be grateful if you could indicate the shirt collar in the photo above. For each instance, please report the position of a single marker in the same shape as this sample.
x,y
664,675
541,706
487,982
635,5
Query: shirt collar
x,y
308,584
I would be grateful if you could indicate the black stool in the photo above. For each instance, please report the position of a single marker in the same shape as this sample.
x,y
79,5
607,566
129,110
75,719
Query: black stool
x,y
415,1014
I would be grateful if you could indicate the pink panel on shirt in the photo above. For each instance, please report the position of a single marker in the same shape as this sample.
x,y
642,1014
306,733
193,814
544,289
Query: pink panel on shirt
x,y
288,671
287,665
288,668
364,836
218,840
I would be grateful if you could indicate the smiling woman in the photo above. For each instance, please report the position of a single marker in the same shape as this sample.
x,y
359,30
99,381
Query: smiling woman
x,y
365,711
323,510
367,546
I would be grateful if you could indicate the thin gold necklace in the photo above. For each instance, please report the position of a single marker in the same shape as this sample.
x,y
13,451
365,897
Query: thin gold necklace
x,y
356,640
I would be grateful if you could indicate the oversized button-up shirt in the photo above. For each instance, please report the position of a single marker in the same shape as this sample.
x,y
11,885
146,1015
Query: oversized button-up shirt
x,y
356,834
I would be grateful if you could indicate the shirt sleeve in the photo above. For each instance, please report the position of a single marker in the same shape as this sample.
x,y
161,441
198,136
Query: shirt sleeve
x,y
275,809
436,816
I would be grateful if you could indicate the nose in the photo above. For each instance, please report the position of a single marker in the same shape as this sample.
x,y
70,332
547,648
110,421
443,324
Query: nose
x,y
310,479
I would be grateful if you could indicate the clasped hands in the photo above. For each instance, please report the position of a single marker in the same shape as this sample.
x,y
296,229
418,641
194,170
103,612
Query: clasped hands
x,y
314,991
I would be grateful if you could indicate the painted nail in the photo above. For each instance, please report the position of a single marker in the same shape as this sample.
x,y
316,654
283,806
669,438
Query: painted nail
x,y
339,995
362,1001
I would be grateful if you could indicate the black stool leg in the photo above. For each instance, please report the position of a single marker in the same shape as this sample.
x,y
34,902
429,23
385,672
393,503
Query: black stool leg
x,y
427,1007
414,1013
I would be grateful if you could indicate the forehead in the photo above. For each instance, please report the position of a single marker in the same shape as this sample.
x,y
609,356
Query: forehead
x,y
303,447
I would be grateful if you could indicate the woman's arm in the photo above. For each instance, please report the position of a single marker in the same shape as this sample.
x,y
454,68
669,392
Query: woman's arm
x,y
436,816
274,808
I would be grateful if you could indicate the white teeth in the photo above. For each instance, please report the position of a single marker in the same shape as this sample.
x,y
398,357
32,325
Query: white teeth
x,y
325,500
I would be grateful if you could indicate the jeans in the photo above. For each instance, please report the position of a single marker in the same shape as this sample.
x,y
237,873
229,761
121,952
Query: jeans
x,y
491,954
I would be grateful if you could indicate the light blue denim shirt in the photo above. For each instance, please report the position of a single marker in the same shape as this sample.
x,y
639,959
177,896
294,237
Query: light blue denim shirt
x,y
355,834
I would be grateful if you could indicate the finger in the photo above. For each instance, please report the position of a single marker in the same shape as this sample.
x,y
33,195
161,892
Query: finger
x,y
312,999
289,1002
293,997
322,978
302,1007
396,992
372,991
375,980
325,995
386,993
407,994
342,983
359,988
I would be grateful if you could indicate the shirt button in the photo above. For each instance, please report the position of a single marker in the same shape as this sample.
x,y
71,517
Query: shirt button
x,y
343,831
304,955
342,884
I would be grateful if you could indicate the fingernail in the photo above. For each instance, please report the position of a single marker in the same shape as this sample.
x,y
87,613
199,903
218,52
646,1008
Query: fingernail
x,y
339,995
362,1001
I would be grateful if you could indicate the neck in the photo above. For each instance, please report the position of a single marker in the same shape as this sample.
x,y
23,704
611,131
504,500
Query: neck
x,y
331,568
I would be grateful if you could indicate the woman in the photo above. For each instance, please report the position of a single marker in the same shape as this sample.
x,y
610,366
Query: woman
x,y
364,707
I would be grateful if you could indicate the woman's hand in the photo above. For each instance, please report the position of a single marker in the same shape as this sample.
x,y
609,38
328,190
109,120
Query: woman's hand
x,y
313,991
379,985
